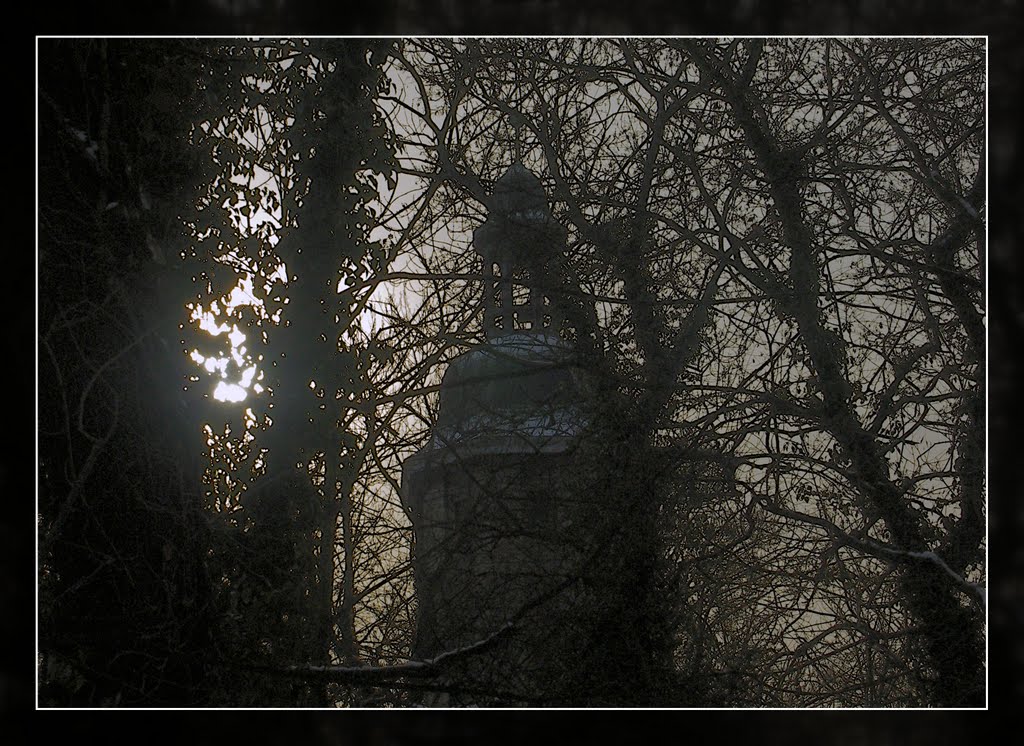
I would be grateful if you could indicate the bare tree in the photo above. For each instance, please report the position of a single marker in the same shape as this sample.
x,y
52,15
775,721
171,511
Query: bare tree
x,y
773,279
784,246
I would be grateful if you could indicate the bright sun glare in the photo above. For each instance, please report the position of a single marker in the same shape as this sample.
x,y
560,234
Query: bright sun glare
x,y
227,390
211,317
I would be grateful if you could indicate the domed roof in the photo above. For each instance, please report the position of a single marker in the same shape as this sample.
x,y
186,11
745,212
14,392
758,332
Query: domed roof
x,y
514,382
519,193
519,226
518,396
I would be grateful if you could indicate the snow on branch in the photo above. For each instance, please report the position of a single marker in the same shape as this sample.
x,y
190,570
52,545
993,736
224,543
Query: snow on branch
x,y
414,668
880,550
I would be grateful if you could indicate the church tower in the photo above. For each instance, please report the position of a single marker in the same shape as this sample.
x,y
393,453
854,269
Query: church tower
x,y
496,494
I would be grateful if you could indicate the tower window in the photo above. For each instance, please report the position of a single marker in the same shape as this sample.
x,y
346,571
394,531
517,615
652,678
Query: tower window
x,y
520,294
523,321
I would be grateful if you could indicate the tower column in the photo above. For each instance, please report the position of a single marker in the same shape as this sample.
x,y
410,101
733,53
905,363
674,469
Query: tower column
x,y
505,306
489,290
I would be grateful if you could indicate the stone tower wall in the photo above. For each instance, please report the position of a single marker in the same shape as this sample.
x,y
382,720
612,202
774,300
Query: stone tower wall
x,y
503,539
